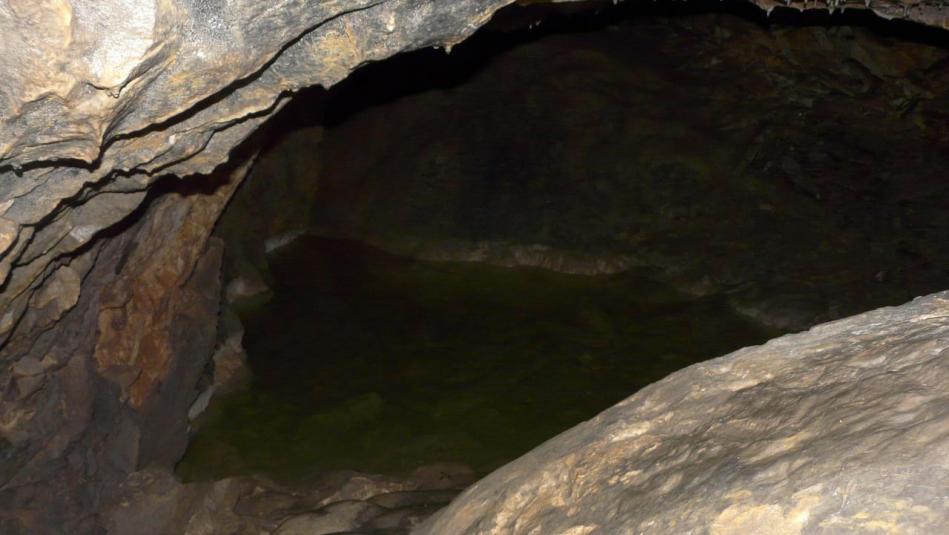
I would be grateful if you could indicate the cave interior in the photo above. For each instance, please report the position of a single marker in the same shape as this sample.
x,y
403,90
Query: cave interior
x,y
452,257
404,281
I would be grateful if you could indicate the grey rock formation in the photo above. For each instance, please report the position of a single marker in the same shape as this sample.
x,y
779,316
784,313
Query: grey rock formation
x,y
842,429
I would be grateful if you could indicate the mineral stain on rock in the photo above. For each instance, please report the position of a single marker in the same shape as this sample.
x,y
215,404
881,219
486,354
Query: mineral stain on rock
x,y
367,361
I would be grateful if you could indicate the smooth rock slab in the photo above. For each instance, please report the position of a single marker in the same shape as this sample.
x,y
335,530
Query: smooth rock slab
x,y
841,429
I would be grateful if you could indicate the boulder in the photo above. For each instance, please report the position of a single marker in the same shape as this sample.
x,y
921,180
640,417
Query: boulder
x,y
841,429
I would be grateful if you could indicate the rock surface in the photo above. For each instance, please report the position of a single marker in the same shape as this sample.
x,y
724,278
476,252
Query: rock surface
x,y
153,501
119,367
108,306
842,429
619,163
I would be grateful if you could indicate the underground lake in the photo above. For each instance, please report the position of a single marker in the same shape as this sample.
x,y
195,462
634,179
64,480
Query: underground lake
x,y
367,361
447,260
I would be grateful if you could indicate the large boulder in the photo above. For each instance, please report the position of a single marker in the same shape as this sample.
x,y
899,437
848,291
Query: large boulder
x,y
841,429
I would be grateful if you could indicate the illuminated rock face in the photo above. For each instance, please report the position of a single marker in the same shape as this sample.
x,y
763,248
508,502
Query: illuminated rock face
x,y
106,320
841,429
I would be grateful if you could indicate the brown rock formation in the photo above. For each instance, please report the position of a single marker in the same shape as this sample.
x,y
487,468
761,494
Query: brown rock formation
x,y
106,328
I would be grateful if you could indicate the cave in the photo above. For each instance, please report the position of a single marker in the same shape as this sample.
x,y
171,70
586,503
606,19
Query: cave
x,y
482,266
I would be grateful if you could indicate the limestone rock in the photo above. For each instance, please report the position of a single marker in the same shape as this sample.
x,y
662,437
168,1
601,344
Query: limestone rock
x,y
335,518
230,360
841,429
113,288
117,373
107,97
153,501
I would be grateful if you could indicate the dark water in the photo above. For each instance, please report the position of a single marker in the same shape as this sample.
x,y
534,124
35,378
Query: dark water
x,y
371,362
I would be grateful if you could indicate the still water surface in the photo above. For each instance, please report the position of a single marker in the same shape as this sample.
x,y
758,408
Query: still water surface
x,y
367,361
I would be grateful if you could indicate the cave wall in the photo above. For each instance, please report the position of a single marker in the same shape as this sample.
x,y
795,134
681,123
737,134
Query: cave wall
x,y
103,392
106,329
108,305
591,151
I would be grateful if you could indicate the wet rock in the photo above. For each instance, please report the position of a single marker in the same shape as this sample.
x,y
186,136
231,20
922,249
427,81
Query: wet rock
x,y
404,519
840,429
443,476
398,500
153,501
227,369
230,360
499,253
334,518
406,510
151,504
360,487
249,287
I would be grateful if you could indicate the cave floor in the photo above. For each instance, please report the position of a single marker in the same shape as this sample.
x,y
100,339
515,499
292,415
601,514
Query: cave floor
x,y
368,361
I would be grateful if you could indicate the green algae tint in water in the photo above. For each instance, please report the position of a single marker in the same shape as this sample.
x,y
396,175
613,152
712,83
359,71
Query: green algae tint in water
x,y
377,363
